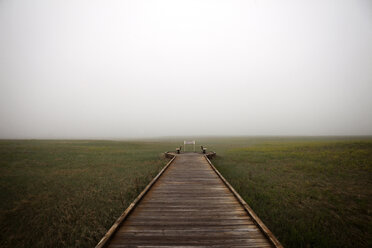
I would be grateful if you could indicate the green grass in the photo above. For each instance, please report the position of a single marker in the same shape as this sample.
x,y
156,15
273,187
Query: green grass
x,y
310,192
68,193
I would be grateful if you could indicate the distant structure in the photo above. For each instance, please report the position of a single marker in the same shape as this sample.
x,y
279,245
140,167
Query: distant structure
x,y
185,142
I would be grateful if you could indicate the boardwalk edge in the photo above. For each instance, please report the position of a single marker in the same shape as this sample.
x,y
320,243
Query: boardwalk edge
x,y
110,233
247,208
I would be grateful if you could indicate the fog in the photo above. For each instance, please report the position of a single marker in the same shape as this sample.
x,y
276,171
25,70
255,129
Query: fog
x,y
128,69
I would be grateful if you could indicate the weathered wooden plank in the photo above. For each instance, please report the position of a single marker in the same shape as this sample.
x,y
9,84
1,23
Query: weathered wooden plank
x,y
187,222
187,245
198,240
190,214
253,234
148,228
190,246
222,207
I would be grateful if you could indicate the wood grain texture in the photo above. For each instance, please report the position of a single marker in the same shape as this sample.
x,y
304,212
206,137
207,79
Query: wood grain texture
x,y
189,206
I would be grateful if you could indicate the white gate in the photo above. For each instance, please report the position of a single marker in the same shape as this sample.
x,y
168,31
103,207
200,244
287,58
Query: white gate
x,y
185,142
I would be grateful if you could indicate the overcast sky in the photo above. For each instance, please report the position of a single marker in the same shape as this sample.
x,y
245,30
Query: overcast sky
x,y
125,69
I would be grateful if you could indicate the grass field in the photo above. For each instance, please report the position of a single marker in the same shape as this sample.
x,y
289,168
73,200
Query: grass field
x,y
68,193
311,192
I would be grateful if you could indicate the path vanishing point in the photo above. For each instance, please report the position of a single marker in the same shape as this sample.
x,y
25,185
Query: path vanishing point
x,y
189,204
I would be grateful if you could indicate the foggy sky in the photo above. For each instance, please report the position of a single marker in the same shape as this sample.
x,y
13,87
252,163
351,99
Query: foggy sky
x,y
124,69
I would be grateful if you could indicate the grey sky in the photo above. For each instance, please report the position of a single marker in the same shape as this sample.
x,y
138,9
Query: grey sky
x,y
123,69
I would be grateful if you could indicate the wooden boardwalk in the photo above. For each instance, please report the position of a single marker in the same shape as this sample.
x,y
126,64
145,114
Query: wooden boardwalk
x,y
189,205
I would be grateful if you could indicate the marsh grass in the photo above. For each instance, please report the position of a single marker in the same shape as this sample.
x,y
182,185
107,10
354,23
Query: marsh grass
x,y
310,192
313,193
68,193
